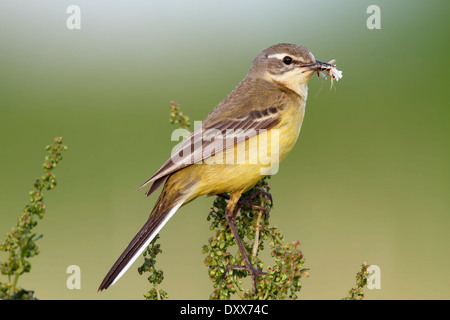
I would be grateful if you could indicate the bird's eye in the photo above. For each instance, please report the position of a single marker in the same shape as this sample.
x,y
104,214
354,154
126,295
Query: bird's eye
x,y
287,60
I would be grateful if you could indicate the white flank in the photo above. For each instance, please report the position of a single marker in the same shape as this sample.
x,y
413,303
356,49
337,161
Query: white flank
x,y
142,248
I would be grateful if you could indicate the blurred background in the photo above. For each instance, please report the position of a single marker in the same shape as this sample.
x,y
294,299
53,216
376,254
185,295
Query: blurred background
x,y
367,181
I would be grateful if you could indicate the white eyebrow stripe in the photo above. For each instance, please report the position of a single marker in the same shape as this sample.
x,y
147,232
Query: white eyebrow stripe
x,y
279,55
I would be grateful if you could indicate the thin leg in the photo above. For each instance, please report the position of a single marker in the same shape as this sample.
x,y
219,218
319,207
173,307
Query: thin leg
x,y
229,214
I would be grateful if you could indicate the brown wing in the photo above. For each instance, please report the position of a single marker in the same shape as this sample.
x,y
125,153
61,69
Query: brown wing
x,y
231,121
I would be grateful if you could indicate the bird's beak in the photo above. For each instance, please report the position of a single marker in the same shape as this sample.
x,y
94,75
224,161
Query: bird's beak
x,y
323,65
318,66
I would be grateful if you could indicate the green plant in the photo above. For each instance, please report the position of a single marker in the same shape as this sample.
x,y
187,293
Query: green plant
x,y
156,276
178,117
357,293
20,243
282,280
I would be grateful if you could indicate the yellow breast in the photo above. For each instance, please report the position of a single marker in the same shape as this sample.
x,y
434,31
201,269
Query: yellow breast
x,y
240,167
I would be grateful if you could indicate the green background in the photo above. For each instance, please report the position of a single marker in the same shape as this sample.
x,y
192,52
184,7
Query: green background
x,y
367,181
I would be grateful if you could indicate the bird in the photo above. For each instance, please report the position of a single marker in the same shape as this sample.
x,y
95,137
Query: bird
x,y
240,141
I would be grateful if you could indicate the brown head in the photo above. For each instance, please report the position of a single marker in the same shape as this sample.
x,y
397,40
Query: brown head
x,y
287,65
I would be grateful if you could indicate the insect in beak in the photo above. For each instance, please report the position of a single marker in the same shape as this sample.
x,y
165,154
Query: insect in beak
x,y
329,66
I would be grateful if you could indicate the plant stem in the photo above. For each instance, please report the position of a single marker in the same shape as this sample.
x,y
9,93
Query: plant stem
x,y
14,284
258,228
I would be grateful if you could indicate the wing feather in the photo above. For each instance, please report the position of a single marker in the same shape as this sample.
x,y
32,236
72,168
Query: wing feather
x,y
229,120
214,137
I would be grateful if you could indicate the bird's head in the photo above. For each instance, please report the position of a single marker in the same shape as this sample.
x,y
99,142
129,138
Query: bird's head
x,y
287,65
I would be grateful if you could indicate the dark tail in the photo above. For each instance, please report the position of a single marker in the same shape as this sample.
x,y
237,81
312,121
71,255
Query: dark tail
x,y
160,215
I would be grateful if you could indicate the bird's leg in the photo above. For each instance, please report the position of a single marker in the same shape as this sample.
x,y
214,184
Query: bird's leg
x,y
229,215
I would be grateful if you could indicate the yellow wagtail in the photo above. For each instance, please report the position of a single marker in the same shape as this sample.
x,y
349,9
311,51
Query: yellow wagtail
x,y
240,141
